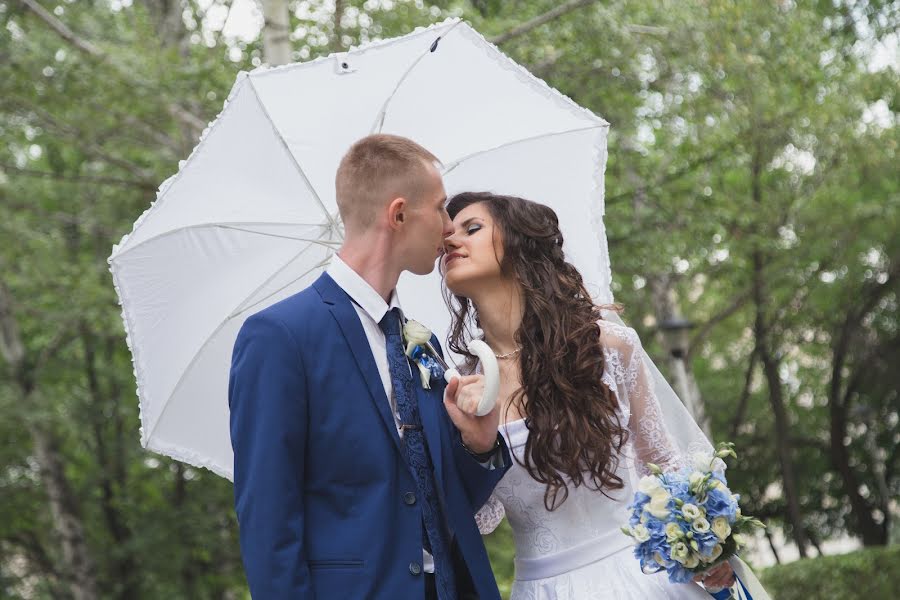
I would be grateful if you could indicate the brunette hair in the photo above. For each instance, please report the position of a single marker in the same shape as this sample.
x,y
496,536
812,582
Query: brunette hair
x,y
575,433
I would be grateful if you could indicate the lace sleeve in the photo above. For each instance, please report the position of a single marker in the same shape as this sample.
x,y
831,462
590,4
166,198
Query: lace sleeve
x,y
490,515
650,437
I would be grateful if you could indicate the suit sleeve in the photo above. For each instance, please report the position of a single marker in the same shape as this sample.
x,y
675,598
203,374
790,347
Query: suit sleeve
x,y
478,479
268,400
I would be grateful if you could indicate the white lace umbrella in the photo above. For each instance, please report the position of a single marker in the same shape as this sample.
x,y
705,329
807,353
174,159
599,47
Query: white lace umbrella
x,y
251,217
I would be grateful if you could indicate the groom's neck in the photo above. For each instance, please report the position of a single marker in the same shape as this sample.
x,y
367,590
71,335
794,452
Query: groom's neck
x,y
371,260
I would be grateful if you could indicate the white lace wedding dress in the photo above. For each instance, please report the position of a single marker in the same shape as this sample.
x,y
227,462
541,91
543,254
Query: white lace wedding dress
x,y
578,550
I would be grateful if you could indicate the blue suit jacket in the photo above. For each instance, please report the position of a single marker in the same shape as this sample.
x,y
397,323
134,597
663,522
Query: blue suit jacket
x,y
321,487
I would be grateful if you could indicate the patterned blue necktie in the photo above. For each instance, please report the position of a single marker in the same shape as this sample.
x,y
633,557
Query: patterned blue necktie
x,y
436,539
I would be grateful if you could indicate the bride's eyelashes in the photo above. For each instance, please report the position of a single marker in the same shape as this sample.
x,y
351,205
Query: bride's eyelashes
x,y
472,229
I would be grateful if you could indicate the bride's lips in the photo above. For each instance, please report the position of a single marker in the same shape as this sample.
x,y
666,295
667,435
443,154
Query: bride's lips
x,y
452,256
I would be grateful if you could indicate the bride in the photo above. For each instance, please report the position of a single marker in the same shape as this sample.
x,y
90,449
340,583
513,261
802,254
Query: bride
x,y
578,406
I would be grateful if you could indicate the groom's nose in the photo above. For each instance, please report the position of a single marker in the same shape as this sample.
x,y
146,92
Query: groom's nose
x,y
448,225
450,242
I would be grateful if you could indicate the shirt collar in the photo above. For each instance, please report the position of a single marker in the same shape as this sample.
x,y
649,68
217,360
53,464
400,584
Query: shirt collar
x,y
359,290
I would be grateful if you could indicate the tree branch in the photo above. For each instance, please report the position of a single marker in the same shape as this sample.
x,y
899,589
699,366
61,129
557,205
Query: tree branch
x,y
141,185
739,301
548,16
745,394
64,32
175,109
11,347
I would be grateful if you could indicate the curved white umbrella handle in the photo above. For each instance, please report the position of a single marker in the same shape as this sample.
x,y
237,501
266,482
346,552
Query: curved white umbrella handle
x,y
491,375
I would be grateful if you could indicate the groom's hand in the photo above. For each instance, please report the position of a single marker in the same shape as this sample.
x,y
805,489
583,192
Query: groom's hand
x,y
461,398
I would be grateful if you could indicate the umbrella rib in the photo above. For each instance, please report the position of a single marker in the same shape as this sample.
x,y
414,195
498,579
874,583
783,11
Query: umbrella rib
x,y
287,149
459,161
379,120
241,309
194,358
327,244
224,225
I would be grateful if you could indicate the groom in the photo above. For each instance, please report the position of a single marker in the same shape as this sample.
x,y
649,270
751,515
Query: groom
x,y
351,479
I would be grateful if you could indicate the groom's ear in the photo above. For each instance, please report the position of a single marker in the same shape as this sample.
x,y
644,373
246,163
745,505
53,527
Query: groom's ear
x,y
396,212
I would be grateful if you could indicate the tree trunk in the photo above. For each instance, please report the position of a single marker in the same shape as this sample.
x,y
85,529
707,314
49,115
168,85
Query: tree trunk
x,y
772,545
665,307
871,532
337,43
124,566
66,520
771,366
276,32
78,568
841,392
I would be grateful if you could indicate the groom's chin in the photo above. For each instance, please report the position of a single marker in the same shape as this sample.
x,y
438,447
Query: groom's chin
x,y
423,269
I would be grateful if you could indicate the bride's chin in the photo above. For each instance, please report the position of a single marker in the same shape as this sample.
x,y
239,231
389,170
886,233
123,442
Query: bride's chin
x,y
455,283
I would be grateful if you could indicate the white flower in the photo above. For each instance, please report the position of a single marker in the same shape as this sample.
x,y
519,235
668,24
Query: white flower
x,y
673,532
739,540
700,525
415,334
700,461
691,561
695,479
659,504
649,484
424,375
705,463
692,511
716,552
721,528
680,552
640,533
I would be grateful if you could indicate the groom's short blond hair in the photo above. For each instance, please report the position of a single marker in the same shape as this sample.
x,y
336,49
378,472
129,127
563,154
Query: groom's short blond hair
x,y
376,170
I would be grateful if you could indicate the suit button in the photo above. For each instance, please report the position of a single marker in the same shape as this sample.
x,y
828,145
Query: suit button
x,y
415,568
409,498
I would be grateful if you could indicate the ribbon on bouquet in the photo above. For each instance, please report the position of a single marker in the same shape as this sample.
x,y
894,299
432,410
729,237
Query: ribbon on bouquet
x,y
748,586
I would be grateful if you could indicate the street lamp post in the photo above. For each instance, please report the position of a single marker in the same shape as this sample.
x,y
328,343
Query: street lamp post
x,y
675,331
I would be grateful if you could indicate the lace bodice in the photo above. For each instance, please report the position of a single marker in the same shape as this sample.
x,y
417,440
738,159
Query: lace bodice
x,y
587,515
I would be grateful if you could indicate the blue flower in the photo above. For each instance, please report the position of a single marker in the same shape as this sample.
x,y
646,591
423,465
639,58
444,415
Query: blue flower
x,y
707,542
678,574
640,499
427,362
719,503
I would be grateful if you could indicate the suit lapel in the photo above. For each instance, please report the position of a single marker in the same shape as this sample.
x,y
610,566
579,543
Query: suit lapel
x,y
348,320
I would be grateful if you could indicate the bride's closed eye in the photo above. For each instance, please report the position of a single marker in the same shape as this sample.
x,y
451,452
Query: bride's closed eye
x,y
472,228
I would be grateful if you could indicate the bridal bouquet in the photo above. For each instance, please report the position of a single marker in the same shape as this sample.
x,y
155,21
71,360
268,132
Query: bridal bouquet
x,y
685,522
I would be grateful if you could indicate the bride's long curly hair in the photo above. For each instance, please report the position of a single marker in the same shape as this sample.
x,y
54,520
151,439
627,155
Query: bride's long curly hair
x,y
575,433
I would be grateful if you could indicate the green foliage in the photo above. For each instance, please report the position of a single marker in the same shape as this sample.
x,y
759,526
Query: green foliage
x,y
860,575
501,551
741,133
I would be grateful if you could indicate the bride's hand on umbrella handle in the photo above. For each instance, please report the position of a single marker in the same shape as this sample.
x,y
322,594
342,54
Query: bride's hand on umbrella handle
x,y
491,376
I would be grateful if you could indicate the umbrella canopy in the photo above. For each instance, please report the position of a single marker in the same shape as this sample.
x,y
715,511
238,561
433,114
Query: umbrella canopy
x,y
251,218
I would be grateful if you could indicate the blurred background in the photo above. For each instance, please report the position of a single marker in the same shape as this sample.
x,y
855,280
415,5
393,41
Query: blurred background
x,y
753,214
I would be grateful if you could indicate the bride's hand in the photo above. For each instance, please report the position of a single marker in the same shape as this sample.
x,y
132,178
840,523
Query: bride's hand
x,y
720,576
